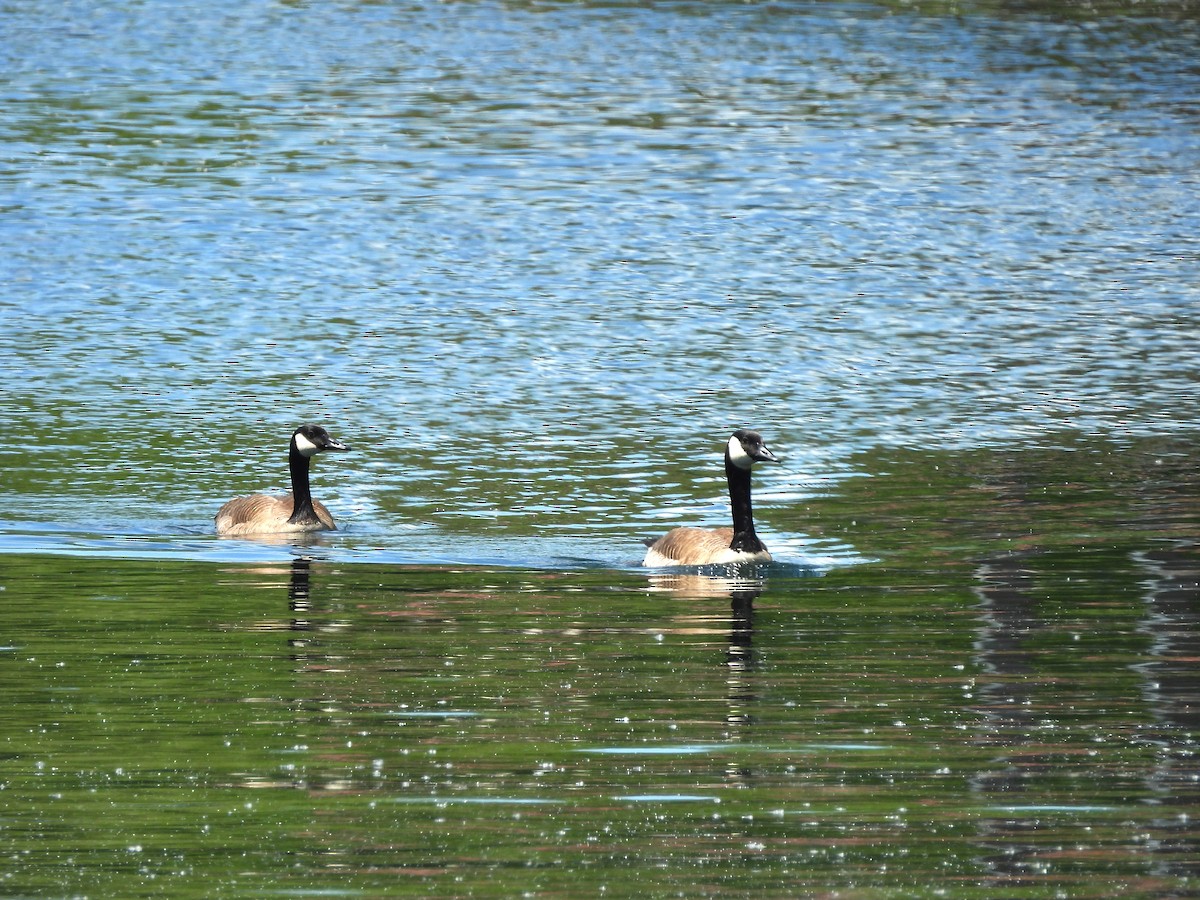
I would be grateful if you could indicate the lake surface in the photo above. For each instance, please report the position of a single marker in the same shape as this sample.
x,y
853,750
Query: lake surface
x,y
535,262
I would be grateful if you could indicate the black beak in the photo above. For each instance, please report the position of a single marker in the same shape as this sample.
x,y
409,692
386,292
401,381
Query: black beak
x,y
334,444
762,454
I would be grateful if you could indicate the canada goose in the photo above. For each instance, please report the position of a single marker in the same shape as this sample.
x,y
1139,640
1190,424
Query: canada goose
x,y
708,546
297,511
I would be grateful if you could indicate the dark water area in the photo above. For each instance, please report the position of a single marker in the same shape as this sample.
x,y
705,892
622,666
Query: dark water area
x,y
1003,702
535,262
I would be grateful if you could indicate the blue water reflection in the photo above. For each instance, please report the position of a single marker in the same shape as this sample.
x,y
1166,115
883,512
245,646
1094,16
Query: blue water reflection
x,y
521,264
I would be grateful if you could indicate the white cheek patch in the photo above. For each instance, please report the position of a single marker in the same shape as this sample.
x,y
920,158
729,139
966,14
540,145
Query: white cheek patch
x,y
305,446
738,455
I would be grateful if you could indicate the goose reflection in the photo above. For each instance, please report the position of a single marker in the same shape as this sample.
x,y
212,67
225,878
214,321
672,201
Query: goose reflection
x,y
299,599
741,695
308,655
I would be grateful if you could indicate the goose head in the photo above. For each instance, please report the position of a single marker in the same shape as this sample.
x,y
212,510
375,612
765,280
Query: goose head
x,y
745,448
310,440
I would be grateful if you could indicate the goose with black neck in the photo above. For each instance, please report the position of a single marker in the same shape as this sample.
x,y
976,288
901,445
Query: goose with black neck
x,y
690,546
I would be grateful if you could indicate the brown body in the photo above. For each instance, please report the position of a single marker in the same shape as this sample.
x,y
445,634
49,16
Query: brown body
x,y
294,512
688,546
260,513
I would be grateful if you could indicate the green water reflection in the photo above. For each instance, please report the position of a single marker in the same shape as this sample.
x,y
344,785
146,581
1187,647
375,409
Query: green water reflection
x,y
1004,702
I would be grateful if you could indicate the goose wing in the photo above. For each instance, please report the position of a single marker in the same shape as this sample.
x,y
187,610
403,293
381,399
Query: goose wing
x,y
259,509
693,546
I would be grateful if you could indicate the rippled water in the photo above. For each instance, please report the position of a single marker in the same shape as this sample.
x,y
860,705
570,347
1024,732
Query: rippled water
x,y
534,262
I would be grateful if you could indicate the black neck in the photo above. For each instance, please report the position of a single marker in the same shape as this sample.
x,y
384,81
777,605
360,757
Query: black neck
x,y
744,538
302,506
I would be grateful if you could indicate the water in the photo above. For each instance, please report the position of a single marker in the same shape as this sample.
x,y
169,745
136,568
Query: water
x,y
534,262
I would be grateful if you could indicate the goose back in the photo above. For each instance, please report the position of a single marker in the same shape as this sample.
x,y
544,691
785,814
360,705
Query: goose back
x,y
260,513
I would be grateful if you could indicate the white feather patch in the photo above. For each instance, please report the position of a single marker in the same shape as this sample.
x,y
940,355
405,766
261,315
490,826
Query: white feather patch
x,y
738,454
305,446
726,557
